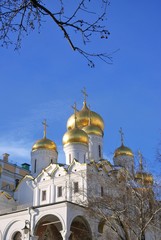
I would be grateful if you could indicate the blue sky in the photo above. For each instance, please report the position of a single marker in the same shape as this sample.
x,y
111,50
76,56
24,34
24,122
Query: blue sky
x,y
45,78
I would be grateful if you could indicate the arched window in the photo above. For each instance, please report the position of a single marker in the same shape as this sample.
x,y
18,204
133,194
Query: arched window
x,y
17,236
76,187
102,192
99,151
35,163
16,182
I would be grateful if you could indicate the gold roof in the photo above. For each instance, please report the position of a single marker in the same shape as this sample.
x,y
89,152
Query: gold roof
x,y
83,119
144,178
75,135
93,130
125,151
44,143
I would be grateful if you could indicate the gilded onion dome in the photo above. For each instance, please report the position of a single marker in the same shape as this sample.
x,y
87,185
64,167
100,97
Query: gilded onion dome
x,y
91,129
144,178
141,176
44,143
75,135
83,119
123,151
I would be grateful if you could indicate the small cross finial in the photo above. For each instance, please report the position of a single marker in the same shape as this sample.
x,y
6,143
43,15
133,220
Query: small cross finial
x,y
75,111
140,161
45,126
85,94
122,136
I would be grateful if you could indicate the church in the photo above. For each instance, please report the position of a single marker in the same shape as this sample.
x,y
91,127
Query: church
x,y
50,200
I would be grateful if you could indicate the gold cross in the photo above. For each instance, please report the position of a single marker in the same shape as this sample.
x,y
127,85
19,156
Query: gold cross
x,y
45,126
84,93
75,111
122,136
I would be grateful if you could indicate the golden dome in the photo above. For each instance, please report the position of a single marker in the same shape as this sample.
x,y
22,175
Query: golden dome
x,y
90,129
125,151
144,178
44,143
75,135
83,119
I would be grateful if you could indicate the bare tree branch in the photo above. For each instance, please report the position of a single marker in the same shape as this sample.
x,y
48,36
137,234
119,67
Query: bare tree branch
x,y
19,17
128,210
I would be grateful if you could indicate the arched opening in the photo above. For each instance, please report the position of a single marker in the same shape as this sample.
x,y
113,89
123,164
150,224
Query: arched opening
x,y
80,229
48,228
17,236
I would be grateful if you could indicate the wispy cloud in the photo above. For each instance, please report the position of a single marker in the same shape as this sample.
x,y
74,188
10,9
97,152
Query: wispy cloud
x,y
19,150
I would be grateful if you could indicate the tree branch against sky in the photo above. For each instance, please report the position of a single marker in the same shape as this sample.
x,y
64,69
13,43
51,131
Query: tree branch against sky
x,y
85,18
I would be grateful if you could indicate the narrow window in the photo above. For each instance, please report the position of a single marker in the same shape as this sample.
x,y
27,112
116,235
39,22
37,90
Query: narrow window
x,y
76,187
143,236
99,151
59,191
70,158
35,165
16,182
51,160
84,158
102,191
43,195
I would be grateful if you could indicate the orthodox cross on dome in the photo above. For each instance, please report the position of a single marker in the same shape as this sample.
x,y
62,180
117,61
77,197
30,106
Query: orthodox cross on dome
x,y
122,136
140,161
45,126
85,94
75,112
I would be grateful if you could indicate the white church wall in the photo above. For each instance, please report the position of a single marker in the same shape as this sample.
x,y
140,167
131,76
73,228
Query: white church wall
x,y
95,147
24,192
75,151
126,162
43,158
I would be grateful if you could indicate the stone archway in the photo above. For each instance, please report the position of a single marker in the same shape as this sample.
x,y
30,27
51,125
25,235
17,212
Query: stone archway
x,y
48,228
80,229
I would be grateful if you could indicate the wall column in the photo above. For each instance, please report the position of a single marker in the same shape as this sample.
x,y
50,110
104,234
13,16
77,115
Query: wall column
x,y
65,235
